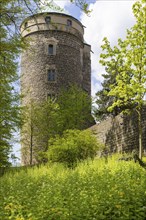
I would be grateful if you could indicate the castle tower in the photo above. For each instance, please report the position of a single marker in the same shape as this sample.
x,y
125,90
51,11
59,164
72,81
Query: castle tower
x,y
57,56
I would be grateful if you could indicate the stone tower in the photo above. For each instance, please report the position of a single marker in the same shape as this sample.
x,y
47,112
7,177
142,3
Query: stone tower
x,y
57,56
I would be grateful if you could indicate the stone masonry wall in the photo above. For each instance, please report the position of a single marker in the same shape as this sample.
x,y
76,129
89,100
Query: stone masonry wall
x,y
121,133
35,63
86,69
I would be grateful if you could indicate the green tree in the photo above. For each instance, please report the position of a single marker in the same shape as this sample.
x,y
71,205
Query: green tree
x,y
130,83
40,123
73,146
9,110
114,62
75,108
102,100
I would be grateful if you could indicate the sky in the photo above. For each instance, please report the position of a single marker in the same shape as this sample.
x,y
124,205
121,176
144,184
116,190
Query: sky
x,y
109,18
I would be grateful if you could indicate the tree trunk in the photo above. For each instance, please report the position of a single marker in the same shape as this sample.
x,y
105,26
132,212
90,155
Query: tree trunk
x,y
31,137
31,144
140,132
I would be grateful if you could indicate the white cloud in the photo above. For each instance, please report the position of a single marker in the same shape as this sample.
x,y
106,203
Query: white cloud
x,y
108,19
61,3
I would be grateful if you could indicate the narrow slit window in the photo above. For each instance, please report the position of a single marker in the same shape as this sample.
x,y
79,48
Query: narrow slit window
x,y
51,75
26,24
48,19
50,49
69,23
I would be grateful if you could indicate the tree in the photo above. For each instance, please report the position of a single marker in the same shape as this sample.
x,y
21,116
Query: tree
x,y
40,123
130,82
9,110
75,108
102,100
82,4
114,62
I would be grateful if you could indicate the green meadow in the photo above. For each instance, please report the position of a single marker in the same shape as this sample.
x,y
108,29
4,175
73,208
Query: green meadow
x,y
94,190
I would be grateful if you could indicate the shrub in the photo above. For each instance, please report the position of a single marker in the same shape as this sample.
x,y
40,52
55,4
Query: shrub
x,y
73,146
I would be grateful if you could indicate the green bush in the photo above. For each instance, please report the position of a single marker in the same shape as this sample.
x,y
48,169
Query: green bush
x,y
73,146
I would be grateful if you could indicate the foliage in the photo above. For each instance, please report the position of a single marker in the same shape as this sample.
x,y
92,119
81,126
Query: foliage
x,y
131,81
103,101
75,108
73,146
126,63
40,122
82,4
9,110
94,190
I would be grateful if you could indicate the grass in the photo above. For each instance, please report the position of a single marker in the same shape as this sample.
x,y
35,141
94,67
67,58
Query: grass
x,y
95,190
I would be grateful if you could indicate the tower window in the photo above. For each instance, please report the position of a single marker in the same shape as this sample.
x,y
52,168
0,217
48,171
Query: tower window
x,y
50,49
69,23
25,24
47,19
51,75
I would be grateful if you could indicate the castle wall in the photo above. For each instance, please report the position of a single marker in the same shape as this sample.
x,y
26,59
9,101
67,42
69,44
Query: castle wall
x,y
121,133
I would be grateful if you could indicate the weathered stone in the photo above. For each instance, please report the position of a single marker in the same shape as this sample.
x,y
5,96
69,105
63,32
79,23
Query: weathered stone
x,y
121,133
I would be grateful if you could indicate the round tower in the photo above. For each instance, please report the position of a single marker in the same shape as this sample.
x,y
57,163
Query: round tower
x,y
57,56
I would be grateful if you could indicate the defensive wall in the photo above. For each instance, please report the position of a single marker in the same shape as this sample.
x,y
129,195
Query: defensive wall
x,y
120,133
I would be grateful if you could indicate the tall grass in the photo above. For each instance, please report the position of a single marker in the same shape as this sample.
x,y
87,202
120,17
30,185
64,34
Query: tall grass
x,y
95,190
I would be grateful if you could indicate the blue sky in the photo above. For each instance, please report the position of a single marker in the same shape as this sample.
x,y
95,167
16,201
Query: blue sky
x,y
108,19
